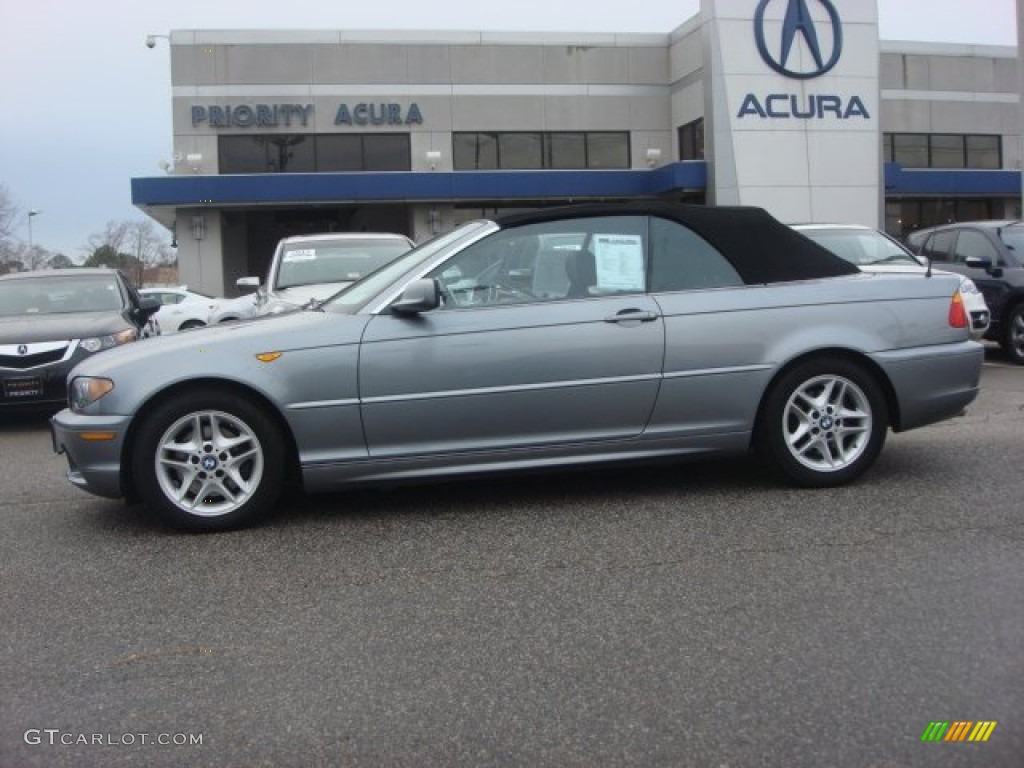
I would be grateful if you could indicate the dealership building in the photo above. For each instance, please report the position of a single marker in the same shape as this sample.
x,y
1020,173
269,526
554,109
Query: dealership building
x,y
792,105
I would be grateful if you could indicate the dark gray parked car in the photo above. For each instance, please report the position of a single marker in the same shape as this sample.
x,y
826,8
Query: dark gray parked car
x,y
991,253
51,320
592,334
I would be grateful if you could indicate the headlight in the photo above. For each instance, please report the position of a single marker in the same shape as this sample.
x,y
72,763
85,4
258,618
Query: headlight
x,y
96,343
86,390
967,286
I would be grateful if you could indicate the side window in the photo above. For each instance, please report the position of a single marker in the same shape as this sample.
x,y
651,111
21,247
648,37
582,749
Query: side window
x,y
972,243
551,261
939,245
682,260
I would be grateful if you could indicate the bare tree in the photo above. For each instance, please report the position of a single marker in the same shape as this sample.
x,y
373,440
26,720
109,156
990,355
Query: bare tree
x,y
133,246
8,216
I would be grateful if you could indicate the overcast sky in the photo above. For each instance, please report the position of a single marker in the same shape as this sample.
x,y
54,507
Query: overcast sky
x,y
87,106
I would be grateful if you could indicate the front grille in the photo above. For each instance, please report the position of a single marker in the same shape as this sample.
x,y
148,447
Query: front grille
x,y
23,362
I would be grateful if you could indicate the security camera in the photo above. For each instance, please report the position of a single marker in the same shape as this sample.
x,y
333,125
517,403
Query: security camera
x,y
150,41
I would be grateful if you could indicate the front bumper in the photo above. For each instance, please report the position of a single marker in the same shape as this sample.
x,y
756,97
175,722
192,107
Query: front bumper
x,y
94,461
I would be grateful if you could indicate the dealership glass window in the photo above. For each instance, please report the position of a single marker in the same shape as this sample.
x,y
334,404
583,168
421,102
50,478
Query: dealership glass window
x,y
943,150
984,152
910,150
308,153
608,150
947,151
691,140
519,150
386,152
279,153
475,151
340,152
565,150
532,150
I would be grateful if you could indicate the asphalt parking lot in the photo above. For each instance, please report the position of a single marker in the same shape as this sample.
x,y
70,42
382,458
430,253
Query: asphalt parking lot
x,y
686,615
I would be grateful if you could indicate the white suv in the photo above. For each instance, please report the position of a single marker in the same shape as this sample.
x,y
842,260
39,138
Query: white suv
x,y
315,267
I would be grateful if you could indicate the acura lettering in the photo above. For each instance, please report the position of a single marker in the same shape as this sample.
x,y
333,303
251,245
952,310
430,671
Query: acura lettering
x,y
813,106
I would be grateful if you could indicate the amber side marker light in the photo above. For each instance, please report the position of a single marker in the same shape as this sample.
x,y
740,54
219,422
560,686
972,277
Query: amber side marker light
x,y
97,436
268,357
957,313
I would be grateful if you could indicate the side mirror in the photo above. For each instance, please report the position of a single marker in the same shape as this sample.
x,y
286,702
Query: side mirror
x,y
248,284
146,308
977,262
419,296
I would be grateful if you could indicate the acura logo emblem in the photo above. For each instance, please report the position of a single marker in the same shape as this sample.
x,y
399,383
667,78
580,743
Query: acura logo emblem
x,y
798,21
22,349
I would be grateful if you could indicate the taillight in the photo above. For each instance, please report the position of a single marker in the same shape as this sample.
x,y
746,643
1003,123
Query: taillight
x,y
957,314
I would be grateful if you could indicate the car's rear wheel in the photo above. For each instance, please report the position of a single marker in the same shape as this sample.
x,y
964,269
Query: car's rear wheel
x,y
208,460
824,422
189,325
1013,334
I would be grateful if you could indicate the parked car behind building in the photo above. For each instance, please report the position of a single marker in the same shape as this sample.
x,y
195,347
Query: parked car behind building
x,y
314,267
874,251
180,308
53,319
991,253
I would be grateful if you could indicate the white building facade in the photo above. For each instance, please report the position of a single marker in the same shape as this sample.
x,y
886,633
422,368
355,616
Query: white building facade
x,y
791,105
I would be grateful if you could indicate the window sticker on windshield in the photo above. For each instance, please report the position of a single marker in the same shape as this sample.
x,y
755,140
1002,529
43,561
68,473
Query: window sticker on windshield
x,y
304,254
619,260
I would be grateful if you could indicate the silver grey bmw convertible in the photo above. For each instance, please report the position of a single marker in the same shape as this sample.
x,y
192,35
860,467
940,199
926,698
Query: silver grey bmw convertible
x,y
589,334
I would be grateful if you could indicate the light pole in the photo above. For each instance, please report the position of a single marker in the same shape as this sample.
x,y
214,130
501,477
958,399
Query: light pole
x,y
32,212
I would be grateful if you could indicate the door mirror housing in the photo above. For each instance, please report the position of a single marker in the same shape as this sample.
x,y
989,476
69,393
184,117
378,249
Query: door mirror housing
x,y
148,306
248,284
419,296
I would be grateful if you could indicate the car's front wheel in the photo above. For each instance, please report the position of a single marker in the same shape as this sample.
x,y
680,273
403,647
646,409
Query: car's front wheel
x,y
208,460
190,325
1013,334
824,422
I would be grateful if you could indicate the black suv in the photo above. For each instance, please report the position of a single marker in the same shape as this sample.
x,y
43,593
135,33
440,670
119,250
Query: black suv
x,y
991,253
51,320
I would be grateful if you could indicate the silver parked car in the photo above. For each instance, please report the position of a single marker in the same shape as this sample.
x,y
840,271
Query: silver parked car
x,y
590,334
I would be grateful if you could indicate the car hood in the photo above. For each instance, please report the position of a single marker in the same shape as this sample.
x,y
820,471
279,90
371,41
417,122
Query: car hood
x,y
300,294
213,350
25,329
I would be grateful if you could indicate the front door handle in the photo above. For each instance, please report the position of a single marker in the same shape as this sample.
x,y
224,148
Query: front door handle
x,y
632,316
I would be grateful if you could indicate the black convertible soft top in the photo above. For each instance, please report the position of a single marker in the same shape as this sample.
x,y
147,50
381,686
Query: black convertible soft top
x,y
761,248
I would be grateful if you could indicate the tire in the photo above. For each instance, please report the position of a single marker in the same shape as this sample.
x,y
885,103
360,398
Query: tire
x,y
229,478
1012,341
188,325
824,422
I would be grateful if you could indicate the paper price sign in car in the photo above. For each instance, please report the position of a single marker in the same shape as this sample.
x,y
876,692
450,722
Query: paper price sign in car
x,y
619,260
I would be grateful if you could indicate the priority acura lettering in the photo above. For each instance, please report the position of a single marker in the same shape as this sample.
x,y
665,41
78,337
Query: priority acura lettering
x,y
251,115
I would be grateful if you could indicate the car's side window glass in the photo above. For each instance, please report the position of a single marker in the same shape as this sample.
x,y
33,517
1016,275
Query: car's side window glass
x,y
682,260
550,261
974,244
939,246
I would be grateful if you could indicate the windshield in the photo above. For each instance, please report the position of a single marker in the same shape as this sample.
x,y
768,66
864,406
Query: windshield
x,y
59,295
863,247
357,295
310,262
1013,237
